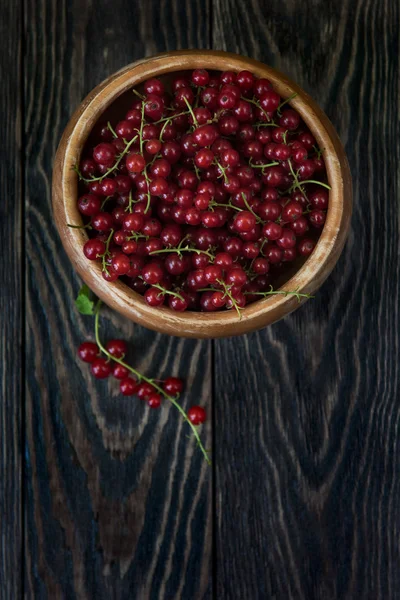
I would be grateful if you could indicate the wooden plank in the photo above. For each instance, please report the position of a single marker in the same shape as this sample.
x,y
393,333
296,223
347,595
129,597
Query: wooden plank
x,y
118,499
308,411
11,368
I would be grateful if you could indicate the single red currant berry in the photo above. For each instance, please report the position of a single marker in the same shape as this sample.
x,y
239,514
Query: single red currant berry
x,y
244,221
158,186
117,348
154,401
273,254
133,222
292,211
317,218
200,77
120,263
218,299
184,95
272,231
104,154
173,386
212,273
152,273
153,109
94,248
290,119
306,246
128,386
178,304
88,168
88,351
300,226
129,247
319,199
89,205
307,139
306,169
135,162
154,297
260,266
204,158
102,221
101,368
196,415
145,390
120,372
289,254
154,86
205,135
269,101
153,147
287,239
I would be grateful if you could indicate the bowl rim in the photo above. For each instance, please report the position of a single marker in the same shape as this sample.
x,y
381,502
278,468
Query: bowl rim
x,y
189,323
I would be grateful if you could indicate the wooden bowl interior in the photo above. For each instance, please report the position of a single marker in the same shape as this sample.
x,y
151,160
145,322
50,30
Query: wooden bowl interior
x,y
111,100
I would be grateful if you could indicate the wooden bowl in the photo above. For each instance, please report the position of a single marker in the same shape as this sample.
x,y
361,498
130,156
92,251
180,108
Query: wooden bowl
x,y
196,324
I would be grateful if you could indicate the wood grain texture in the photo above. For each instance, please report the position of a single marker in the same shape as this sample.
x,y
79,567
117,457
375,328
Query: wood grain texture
x,y
118,499
308,411
10,305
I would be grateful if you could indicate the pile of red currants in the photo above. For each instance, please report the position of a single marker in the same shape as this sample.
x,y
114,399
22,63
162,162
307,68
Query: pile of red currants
x,y
204,193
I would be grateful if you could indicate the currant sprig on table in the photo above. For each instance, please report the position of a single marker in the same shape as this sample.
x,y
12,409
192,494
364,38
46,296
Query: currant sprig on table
x,y
109,359
204,193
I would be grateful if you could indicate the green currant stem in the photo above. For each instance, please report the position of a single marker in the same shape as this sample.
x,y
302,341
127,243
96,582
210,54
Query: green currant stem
x,y
110,127
141,152
87,226
111,169
224,175
191,111
227,292
272,164
256,103
167,292
106,253
273,292
138,94
167,122
137,236
278,110
180,250
272,124
104,201
259,220
213,203
170,118
152,382
325,185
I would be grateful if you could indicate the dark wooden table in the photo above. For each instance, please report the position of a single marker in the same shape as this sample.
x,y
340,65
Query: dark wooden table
x,y
102,500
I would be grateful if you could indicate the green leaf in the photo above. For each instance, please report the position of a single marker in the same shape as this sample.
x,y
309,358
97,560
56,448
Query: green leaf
x,y
85,302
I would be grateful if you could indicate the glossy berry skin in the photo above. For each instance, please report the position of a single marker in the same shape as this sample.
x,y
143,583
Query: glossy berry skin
x,y
88,351
306,246
128,386
178,304
104,154
120,372
196,415
154,297
317,218
100,368
145,390
173,386
154,401
94,248
89,205
152,273
117,348
244,221
120,263
102,221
